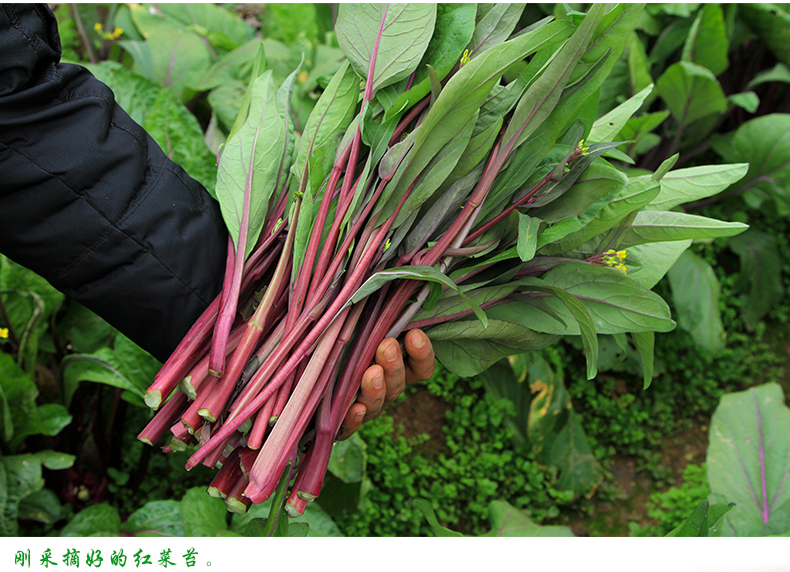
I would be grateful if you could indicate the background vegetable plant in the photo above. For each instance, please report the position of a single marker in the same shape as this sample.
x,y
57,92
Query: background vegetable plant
x,y
623,425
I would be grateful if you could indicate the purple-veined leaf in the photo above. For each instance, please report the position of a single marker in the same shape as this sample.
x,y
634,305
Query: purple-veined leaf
x,y
749,460
393,37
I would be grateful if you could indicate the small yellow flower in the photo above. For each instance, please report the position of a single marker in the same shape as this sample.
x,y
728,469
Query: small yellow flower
x,y
466,58
114,35
3,333
622,267
621,254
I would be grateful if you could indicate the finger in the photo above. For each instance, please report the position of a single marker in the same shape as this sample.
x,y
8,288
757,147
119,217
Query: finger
x,y
353,420
372,391
389,357
421,361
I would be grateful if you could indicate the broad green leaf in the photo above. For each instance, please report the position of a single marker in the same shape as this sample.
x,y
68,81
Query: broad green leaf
x,y
580,314
96,520
455,24
707,43
84,331
41,506
508,521
349,459
694,183
749,459
616,303
636,194
176,59
466,348
748,100
249,166
607,127
394,35
695,292
638,65
155,518
771,23
494,27
660,226
55,460
215,23
556,434
656,259
691,92
294,20
764,143
638,129
202,515
20,477
233,66
760,274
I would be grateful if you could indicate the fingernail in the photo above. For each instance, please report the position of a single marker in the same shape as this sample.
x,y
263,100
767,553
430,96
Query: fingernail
x,y
390,352
378,381
359,417
418,341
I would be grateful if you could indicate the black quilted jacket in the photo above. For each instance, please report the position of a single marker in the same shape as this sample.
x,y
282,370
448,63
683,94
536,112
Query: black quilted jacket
x,y
90,202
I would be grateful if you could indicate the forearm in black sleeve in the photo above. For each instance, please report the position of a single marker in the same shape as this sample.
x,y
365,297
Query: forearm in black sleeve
x,y
90,202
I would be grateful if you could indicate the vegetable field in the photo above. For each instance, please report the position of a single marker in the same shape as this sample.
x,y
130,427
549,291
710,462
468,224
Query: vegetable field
x,y
586,208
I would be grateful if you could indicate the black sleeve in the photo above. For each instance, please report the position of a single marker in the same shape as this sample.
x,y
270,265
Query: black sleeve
x,y
90,202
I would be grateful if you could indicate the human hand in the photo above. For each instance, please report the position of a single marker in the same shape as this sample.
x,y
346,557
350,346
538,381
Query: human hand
x,y
385,381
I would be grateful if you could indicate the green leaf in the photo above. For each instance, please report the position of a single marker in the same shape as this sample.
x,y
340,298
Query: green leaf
x,y
20,477
779,72
499,381
55,460
771,23
466,348
96,520
694,183
349,459
427,510
508,521
644,342
695,291
657,258
249,165
175,59
396,35
607,127
460,100
691,92
209,20
180,136
494,27
295,20
527,236
764,143
84,331
41,506
749,458
422,273
556,434
760,274
580,314
659,226
202,514
748,100
707,43
160,518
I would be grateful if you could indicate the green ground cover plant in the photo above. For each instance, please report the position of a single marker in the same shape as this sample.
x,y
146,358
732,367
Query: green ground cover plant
x,y
533,439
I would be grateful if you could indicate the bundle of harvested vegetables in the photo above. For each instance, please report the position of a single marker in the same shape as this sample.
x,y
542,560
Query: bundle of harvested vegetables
x,y
449,190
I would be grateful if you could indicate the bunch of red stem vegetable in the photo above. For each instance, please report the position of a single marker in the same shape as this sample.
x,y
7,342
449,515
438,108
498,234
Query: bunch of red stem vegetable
x,y
268,393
